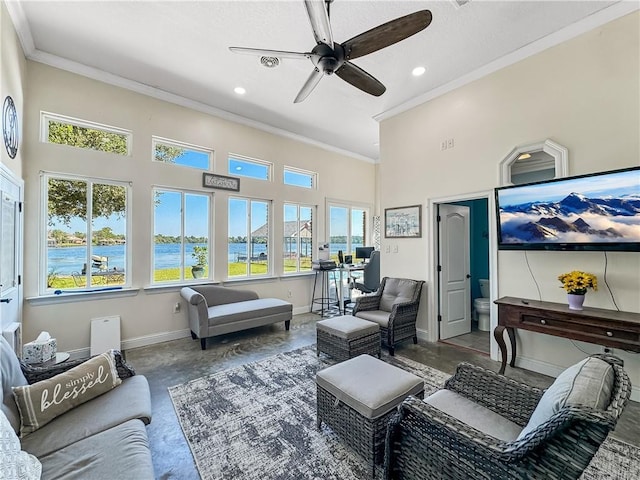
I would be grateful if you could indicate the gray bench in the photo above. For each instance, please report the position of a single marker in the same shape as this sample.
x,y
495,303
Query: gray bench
x,y
215,310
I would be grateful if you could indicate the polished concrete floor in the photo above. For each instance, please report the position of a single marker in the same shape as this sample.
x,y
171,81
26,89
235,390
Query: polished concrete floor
x,y
475,340
171,363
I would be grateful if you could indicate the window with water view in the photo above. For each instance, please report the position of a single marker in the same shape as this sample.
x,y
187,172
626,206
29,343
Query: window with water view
x,y
298,235
248,253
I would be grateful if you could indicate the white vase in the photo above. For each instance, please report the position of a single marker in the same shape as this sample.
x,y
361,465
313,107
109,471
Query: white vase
x,y
575,301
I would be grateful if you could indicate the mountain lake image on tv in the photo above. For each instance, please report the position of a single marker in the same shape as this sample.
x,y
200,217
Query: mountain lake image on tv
x,y
589,212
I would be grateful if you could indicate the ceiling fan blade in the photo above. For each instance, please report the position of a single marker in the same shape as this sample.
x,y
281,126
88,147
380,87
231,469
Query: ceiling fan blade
x,y
386,34
309,85
319,18
351,73
270,53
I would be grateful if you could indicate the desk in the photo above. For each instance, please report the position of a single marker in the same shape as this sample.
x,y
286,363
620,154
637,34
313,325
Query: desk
x,y
608,328
345,273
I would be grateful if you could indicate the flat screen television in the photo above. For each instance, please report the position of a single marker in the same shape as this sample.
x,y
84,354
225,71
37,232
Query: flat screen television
x,y
599,211
364,253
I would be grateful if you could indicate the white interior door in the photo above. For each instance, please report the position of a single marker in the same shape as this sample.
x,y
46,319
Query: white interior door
x,y
455,290
10,249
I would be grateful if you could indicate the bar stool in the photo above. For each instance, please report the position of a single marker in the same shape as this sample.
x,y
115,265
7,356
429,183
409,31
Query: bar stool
x,y
325,275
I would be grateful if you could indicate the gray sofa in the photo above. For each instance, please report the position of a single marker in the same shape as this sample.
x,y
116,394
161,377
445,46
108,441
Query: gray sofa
x,y
215,310
104,438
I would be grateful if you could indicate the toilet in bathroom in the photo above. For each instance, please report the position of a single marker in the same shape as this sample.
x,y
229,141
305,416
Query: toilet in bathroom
x,y
482,306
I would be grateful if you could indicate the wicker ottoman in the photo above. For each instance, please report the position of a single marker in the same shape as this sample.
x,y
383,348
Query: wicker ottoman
x,y
356,398
346,337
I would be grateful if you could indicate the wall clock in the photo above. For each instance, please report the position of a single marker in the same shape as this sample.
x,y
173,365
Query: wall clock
x,y
10,126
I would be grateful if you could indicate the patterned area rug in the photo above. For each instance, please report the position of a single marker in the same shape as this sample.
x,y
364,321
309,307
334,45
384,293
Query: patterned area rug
x,y
257,422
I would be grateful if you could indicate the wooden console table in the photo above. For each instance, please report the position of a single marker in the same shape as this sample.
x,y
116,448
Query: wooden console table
x,y
608,328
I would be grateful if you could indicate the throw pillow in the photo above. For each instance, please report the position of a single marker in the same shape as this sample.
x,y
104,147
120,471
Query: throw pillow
x,y
45,400
15,464
587,383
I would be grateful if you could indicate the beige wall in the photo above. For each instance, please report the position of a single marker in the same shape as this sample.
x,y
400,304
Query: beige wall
x,y
583,94
12,82
147,316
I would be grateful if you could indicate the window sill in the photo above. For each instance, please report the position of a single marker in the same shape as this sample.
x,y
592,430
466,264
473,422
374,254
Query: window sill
x,y
297,274
266,278
175,287
71,296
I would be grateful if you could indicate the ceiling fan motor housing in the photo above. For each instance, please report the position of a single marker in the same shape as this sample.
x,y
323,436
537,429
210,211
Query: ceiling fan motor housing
x,y
328,59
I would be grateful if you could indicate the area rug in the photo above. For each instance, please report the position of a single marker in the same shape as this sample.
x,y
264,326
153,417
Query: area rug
x,y
258,422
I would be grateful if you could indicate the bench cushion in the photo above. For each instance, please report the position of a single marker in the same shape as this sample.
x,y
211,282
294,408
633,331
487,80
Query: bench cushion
x,y
347,327
247,310
368,385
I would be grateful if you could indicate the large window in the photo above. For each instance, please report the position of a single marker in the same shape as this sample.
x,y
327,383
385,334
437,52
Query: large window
x,y
347,227
179,153
181,226
85,134
249,167
298,235
249,235
86,225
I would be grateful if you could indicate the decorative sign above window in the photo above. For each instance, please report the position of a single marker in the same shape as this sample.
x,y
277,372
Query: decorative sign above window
x,y
10,126
221,182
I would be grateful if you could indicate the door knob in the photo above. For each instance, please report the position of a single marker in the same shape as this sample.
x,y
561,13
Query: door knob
x,y
6,300
468,276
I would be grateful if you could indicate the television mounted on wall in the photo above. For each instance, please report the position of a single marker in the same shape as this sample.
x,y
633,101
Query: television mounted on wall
x,y
599,211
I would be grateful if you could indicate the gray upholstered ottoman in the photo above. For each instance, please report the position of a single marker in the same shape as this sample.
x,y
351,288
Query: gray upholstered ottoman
x,y
346,337
357,397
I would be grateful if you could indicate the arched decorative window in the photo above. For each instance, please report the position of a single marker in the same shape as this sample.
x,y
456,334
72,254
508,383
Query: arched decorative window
x,y
534,162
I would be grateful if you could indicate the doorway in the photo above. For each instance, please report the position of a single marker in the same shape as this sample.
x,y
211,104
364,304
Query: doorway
x,y
463,265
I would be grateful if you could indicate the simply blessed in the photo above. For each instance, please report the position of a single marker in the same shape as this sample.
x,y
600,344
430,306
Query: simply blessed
x,y
75,388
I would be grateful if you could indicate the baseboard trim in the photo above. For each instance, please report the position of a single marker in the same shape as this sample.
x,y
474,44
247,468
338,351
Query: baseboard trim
x,y
422,334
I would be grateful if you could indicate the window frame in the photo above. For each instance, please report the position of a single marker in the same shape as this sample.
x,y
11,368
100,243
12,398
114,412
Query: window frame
x,y
211,260
250,160
350,206
314,212
47,117
43,290
155,139
300,171
270,249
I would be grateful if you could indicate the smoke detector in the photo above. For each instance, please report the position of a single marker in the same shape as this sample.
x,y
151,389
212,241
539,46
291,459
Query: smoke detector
x,y
269,62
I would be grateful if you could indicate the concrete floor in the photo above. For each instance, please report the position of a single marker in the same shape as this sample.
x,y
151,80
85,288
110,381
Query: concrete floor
x,y
171,363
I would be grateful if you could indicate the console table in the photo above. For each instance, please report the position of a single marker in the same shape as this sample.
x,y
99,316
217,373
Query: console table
x,y
609,328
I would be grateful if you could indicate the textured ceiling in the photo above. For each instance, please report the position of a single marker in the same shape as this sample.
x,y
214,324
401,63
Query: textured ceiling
x,y
181,47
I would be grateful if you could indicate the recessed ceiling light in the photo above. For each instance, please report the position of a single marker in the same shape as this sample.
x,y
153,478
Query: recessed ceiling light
x,y
416,72
240,90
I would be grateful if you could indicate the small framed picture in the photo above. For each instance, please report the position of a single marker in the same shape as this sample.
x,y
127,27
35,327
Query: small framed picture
x,y
403,222
222,182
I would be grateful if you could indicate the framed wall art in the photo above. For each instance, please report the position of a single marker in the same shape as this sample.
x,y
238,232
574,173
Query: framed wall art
x,y
403,222
221,182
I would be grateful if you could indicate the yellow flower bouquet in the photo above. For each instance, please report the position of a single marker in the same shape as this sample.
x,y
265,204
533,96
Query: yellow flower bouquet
x,y
577,282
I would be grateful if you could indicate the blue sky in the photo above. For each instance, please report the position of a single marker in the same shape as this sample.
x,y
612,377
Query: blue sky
x,y
621,183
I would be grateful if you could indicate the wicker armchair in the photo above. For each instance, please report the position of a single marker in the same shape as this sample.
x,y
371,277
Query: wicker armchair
x,y
394,306
423,442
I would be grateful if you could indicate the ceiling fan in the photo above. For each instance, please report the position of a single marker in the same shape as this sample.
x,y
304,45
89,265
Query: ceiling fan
x,y
329,57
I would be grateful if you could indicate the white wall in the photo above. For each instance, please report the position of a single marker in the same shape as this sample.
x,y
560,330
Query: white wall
x,y
583,94
147,316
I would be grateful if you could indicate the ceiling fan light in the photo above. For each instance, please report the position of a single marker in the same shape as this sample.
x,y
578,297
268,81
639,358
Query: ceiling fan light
x,y
416,72
269,62
240,90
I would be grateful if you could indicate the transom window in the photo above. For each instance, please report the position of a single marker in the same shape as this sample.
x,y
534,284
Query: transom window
x,y
86,232
249,236
84,134
181,228
297,252
249,167
179,153
300,178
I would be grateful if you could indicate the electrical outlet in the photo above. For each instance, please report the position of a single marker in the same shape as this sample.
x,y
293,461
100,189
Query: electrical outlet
x,y
450,143
387,249
395,249
176,308
289,294
443,145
